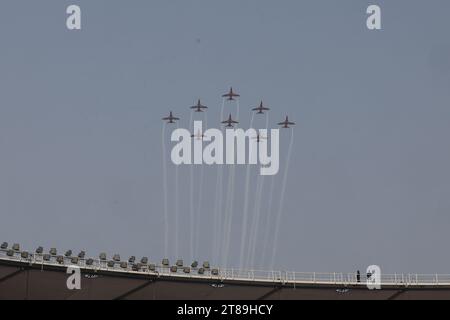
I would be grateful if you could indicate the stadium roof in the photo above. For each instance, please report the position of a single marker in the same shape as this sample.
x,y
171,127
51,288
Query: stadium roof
x,y
43,276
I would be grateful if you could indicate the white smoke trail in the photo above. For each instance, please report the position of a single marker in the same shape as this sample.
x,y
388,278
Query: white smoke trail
x,y
257,193
257,213
191,201
280,208
200,191
177,227
166,215
268,221
230,204
245,211
218,204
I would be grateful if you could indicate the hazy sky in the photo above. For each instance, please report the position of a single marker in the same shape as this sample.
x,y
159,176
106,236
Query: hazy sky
x,y
80,128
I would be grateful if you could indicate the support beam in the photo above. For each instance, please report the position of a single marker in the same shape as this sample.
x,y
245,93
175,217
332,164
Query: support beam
x,y
11,275
142,286
396,295
271,292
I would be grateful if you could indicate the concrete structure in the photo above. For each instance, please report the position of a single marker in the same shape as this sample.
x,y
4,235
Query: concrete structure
x,y
37,276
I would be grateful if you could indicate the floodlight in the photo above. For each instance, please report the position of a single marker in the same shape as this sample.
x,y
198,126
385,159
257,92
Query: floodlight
x,y
74,260
4,245
10,253
194,264
102,256
46,257
89,262
152,267
179,263
24,255
215,272
68,253
81,255
136,267
144,260
124,265
116,257
173,269
16,247
132,259
187,270
165,262
53,251
206,265
60,259
39,250
201,271
111,264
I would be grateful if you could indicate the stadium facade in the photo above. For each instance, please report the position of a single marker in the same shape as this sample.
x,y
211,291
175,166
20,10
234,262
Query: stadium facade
x,y
44,276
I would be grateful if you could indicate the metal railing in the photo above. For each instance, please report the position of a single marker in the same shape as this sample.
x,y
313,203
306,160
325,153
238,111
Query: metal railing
x,y
219,275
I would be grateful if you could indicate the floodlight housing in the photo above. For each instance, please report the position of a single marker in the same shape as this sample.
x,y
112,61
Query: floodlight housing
x,y
144,260
102,256
16,247
53,251
165,262
179,263
116,257
24,255
40,250
68,253
4,245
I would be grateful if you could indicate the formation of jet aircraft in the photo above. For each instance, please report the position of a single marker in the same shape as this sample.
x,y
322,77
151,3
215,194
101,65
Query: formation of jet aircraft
x,y
259,138
170,118
286,123
199,135
230,123
199,107
231,95
261,109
